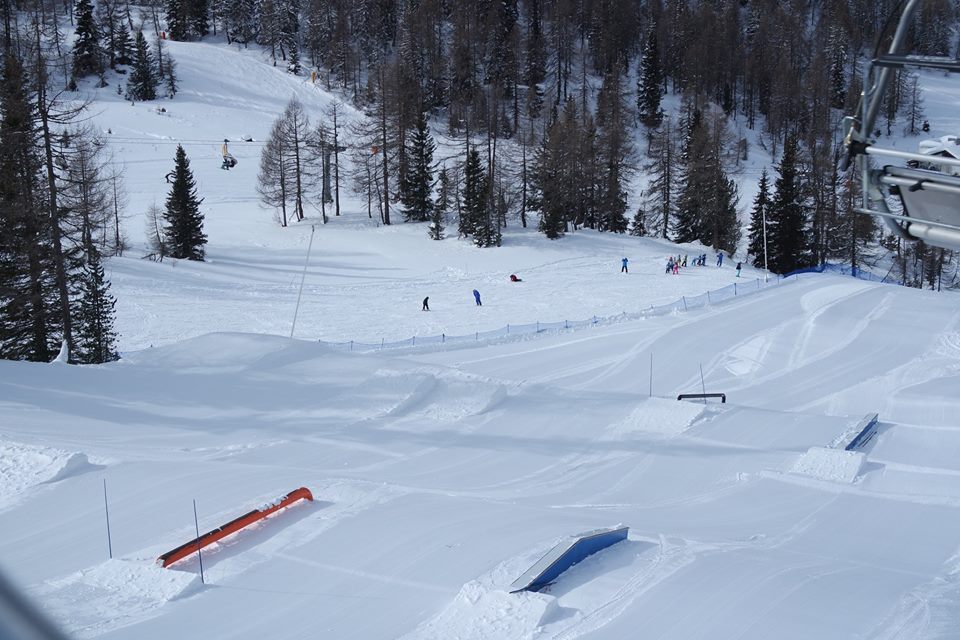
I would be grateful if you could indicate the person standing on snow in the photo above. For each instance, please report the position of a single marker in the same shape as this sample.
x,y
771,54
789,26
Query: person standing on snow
x,y
624,269
426,303
719,258
476,296
739,266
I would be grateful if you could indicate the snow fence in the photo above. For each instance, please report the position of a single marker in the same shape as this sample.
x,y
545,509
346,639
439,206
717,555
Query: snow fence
x,y
518,331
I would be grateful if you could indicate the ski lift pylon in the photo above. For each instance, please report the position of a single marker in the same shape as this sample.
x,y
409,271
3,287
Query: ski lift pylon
x,y
930,196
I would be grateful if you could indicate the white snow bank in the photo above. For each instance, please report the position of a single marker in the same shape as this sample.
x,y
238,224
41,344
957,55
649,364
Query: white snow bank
x,y
23,466
484,609
658,416
836,465
114,594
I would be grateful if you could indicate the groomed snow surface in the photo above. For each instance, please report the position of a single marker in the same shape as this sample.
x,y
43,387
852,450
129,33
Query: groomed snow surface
x,y
441,474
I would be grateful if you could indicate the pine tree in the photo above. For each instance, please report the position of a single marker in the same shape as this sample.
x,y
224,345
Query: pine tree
x,y
124,45
419,178
838,69
664,170
170,76
650,84
476,203
440,207
242,21
614,150
695,179
199,17
28,292
94,334
787,245
913,107
184,220
639,226
760,211
178,20
707,204
143,80
87,53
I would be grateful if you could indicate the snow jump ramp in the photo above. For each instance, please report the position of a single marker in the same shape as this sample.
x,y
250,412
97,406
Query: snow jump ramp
x,y
565,555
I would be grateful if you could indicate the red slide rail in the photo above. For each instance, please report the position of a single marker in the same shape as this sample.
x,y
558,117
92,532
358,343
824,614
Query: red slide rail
x,y
233,526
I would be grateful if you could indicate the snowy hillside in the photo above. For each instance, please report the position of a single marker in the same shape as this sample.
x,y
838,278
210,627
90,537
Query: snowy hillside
x,y
440,475
439,478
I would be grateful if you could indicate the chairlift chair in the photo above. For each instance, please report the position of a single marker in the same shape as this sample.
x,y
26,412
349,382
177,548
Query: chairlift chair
x,y
930,198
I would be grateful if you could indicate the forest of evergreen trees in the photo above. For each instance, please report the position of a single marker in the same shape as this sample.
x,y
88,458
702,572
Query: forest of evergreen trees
x,y
561,106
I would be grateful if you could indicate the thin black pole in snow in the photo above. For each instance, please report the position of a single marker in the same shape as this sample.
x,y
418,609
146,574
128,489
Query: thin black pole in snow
x,y
303,277
703,386
651,374
196,523
106,510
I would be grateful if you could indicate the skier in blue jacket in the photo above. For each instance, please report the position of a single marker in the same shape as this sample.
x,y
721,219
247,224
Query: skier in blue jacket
x,y
624,269
476,296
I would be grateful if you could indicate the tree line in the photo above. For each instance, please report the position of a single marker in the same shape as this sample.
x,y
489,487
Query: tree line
x,y
62,197
563,102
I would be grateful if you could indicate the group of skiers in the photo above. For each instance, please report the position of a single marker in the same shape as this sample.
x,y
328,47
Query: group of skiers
x,y
675,263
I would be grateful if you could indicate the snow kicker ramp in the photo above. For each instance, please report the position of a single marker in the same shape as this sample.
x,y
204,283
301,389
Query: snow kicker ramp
x,y
565,555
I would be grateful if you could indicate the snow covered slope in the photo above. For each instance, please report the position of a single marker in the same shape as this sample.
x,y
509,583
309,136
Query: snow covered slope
x,y
441,475
440,478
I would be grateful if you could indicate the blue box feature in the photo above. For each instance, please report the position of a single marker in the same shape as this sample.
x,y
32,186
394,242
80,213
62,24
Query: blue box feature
x,y
867,428
565,555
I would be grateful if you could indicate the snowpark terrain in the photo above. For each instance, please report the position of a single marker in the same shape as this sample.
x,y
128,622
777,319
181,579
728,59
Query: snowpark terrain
x,y
441,474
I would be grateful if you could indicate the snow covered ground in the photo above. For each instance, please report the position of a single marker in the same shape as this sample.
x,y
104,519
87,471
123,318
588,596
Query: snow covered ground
x,y
441,474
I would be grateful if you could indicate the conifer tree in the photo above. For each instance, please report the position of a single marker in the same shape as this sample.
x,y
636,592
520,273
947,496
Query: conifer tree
x,y
178,19
87,52
143,80
787,244
650,84
170,76
695,179
761,208
242,20
707,204
639,226
184,220
199,17
123,44
476,203
664,169
614,149
441,206
95,335
28,291
419,178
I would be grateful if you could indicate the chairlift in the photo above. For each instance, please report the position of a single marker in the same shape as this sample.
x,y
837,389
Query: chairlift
x,y
929,186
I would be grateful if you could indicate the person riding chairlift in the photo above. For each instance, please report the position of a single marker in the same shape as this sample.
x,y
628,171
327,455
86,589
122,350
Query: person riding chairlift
x,y
228,160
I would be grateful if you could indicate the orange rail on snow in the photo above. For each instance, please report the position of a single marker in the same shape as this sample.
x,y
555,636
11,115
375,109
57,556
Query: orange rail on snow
x,y
233,526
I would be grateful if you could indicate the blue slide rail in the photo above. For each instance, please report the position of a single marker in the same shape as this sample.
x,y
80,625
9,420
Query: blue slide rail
x,y
565,555
866,429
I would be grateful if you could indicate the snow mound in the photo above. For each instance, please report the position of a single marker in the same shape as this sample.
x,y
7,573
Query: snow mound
x,y
114,594
484,610
657,416
24,466
835,465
